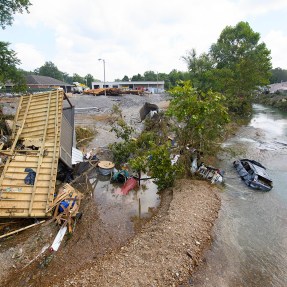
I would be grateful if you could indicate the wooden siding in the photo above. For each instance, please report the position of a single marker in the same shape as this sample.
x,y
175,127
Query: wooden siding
x,y
38,119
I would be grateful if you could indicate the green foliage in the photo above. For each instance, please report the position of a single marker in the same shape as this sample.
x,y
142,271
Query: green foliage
x,y
49,69
149,152
236,66
122,151
78,78
8,69
160,166
170,80
137,77
125,78
202,116
122,130
88,80
9,7
246,62
278,75
199,68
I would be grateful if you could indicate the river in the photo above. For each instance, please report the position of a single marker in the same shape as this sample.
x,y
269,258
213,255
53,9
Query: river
x,y
250,236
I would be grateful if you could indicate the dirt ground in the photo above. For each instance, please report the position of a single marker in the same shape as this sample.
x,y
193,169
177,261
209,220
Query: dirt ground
x,y
161,252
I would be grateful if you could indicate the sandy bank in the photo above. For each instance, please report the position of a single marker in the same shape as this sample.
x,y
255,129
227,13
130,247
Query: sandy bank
x,y
158,256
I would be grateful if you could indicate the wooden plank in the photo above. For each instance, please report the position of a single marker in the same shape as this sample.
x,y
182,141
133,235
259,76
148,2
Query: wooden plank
x,y
41,157
21,229
16,117
54,156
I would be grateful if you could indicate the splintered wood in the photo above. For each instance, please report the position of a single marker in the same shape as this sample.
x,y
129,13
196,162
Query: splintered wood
x,y
66,205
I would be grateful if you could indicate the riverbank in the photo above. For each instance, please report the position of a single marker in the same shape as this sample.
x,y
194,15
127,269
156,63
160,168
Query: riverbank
x,y
276,100
167,249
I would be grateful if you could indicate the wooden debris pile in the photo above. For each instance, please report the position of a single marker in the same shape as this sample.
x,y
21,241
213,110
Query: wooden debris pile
x,y
101,91
67,204
112,92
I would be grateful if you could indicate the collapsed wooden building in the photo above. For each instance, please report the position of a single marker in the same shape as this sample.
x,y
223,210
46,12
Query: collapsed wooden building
x,y
41,134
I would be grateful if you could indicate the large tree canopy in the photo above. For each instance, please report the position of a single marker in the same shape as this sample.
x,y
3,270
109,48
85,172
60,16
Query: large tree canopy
x,y
9,7
242,64
202,115
236,65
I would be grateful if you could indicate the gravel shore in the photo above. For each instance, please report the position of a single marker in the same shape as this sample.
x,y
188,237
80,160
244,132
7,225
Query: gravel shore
x,y
167,249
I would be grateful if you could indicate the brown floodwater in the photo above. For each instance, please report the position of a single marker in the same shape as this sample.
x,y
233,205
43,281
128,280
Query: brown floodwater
x,y
124,213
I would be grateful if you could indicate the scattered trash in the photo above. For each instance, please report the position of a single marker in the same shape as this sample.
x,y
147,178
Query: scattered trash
x,y
175,159
210,173
66,205
120,176
130,184
105,167
30,178
58,239
146,109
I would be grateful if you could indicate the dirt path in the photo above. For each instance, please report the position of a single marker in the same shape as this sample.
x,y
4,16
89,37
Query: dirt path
x,y
157,256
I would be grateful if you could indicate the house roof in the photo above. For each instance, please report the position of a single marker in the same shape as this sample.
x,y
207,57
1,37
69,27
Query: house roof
x,y
44,81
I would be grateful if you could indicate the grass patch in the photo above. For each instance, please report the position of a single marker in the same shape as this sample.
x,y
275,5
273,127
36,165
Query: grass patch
x,y
84,135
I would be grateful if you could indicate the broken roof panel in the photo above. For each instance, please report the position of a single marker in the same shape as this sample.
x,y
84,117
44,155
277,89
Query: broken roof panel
x,y
27,183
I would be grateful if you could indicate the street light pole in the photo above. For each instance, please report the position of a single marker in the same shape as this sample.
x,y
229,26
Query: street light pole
x,y
104,62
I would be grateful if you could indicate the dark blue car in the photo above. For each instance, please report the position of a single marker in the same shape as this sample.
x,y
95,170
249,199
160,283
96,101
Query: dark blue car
x,y
254,174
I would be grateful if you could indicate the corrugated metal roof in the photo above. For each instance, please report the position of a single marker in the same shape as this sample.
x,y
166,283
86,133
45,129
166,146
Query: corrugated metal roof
x,y
77,156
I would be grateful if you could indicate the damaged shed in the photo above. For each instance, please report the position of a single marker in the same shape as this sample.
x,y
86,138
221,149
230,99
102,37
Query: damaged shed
x,y
28,180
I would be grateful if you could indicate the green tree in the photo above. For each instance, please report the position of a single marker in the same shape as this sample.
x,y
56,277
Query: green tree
x,y
174,77
202,116
49,69
89,79
8,59
125,78
137,77
8,68
9,7
278,75
150,76
78,78
200,69
242,63
67,78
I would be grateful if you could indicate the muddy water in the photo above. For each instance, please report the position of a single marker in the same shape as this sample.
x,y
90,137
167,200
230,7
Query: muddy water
x,y
124,214
250,236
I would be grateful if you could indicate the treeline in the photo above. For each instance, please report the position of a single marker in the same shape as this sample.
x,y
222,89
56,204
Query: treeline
x,y
278,75
49,69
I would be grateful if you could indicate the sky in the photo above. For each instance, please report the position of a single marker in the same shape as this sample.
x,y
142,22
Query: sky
x,y
134,36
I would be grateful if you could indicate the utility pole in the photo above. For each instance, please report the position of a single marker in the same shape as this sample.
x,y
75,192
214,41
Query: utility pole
x,y
104,62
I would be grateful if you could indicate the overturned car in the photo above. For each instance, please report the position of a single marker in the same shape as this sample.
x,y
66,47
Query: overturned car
x,y
254,174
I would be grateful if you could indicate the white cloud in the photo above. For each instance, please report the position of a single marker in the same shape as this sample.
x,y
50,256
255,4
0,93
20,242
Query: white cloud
x,y
276,41
30,57
135,36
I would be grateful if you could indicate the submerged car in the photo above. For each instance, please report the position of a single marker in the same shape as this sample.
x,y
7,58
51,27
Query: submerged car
x,y
254,174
